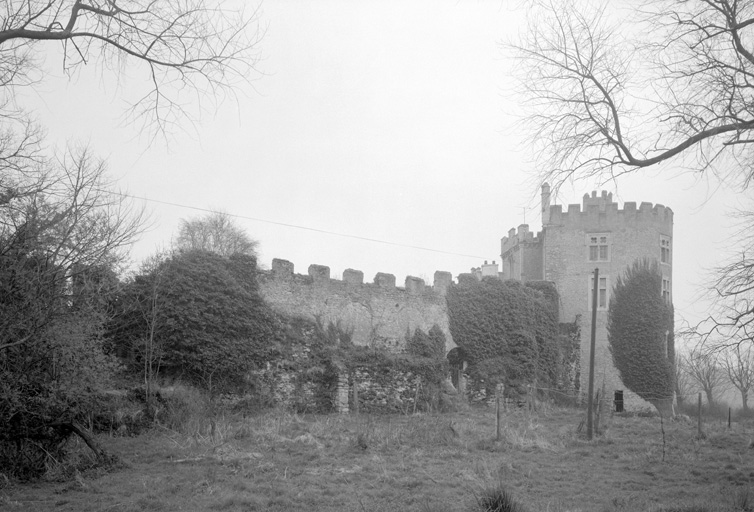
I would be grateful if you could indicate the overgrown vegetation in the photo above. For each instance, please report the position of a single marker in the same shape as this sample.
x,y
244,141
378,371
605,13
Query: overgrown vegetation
x,y
64,231
61,241
319,354
205,314
640,335
284,461
509,332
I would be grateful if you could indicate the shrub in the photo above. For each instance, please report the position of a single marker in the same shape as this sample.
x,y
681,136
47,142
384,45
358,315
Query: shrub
x,y
497,499
205,316
186,409
640,327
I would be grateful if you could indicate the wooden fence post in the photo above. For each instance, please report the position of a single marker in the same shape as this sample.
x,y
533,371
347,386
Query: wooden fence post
x,y
699,417
355,395
497,417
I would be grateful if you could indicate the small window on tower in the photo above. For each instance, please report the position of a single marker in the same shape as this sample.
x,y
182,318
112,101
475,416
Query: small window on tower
x,y
665,249
599,247
602,292
666,289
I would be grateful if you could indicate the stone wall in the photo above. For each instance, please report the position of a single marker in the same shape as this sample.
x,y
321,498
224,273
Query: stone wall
x,y
379,313
393,391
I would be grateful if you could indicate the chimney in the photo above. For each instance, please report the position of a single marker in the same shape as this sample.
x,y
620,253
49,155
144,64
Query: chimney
x,y
545,204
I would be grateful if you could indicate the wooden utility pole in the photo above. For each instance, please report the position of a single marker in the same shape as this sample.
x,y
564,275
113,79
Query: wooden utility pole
x,y
590,392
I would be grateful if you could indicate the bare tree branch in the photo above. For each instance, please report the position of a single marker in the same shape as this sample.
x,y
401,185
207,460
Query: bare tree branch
x,y
606,98
185,45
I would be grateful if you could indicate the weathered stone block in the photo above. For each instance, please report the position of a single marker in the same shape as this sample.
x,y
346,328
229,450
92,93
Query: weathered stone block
x,y
282,268
414,285
319,272
443,280
352,276
384,280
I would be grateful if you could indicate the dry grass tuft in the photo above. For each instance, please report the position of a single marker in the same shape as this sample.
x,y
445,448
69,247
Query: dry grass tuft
x,y
497,499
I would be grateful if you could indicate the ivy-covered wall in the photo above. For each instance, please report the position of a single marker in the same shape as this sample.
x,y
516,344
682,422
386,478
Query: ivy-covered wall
x,y
383,349
323,371
509,334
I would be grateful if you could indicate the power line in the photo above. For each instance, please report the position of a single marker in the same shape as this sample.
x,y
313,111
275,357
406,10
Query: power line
x,y
295,226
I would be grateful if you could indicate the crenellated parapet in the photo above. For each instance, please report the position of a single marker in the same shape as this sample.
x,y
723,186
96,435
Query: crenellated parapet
x,y
379,314
518,236
319,275
603,210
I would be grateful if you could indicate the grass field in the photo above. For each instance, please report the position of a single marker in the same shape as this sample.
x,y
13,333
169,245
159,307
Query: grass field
x,y
281,461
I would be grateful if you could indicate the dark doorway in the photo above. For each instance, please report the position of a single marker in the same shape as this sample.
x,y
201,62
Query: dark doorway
x,y
619,401
456,358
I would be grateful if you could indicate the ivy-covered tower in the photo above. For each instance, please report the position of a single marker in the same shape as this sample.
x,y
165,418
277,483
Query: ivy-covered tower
x,y
572,243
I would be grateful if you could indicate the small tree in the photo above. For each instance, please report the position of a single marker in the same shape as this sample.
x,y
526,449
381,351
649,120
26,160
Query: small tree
x,y
138,318
640,327
703,366
739,366
216,232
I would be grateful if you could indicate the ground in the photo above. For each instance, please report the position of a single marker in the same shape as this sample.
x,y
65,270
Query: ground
x,y
282,461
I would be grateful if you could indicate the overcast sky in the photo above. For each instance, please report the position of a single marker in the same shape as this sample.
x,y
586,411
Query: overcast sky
x,y
385,120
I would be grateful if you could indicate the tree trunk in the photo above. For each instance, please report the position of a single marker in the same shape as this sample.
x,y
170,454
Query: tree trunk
x,y
84,435
745,400
710,399
664,406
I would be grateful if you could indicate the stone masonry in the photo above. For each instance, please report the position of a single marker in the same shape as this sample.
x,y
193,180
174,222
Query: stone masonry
x,y
572,243
379,313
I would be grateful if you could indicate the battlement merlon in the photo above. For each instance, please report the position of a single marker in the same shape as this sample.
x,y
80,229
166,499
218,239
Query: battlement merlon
x,y
320,274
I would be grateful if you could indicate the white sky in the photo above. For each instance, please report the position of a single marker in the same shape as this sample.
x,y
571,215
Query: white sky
x,y
388,120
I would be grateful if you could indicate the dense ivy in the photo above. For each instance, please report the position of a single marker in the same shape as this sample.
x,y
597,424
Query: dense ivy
x,y
317,354
431,344
569,360
212,325
507,330
640,334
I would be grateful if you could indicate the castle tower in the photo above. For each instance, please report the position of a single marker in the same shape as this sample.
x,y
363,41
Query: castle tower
x,y
595,234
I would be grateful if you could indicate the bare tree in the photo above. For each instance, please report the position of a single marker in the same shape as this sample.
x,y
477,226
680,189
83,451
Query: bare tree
x,y
704,368
147,299
614,91
610,89
197,47
61,241
739,366
683,383
731,289
216,232
63,223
